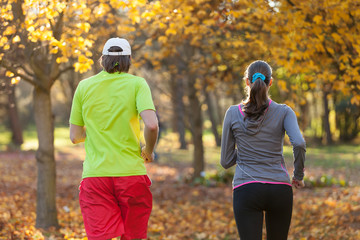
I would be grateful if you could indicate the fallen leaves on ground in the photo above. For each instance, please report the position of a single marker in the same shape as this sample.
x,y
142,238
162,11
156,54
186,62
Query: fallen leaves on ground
x,y
180,211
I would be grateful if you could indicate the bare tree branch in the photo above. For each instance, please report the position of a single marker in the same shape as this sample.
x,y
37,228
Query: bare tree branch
x,y
57,29
61,72
26,70
291,3
17,74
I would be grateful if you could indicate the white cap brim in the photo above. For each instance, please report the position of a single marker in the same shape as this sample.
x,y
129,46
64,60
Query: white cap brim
x,y
117,42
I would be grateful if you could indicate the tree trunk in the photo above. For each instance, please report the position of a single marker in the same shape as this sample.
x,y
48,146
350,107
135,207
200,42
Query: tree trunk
x,y
220,112
196,128
326,122
305,118
15,125
213,117
68,82
46,213
347,117
177,89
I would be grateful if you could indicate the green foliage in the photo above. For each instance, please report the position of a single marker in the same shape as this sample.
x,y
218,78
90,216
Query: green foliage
x,y
216,178
225,177
221,176
324,181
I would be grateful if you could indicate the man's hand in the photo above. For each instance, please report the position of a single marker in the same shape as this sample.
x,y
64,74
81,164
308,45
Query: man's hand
x,y
148,157
150,134
297,183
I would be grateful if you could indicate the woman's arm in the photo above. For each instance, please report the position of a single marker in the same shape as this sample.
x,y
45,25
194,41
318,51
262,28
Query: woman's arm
x,y
297,141
228,150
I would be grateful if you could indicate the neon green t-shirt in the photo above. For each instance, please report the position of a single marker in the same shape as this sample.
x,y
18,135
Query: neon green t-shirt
x,y
108,105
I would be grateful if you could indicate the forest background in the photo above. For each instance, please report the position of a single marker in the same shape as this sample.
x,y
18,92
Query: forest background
x,y
193,53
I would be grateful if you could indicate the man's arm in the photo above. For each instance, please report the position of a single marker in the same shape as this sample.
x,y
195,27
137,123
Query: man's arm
x,y
150,133
77,133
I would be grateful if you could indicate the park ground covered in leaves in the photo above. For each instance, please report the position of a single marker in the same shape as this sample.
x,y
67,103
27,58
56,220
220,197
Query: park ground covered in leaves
x,y
181,210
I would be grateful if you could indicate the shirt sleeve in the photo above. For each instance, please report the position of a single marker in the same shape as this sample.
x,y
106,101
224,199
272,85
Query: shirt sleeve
x,y
228,150
76,116
297,141
143,97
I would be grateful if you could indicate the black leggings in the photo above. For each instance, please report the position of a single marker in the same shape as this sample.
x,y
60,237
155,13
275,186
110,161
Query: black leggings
x,y
252,200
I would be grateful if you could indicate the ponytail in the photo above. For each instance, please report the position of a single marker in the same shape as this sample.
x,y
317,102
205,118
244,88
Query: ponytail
x,y
259,74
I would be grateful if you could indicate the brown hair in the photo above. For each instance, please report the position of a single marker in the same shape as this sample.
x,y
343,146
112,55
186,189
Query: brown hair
x,y
256,103
113,64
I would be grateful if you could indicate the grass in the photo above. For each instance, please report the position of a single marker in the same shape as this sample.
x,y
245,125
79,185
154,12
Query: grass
x,y
4,138
336,157
330,157
30,138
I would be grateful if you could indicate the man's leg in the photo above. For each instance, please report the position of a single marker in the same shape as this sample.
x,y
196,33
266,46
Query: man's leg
x,y
135,201
100,210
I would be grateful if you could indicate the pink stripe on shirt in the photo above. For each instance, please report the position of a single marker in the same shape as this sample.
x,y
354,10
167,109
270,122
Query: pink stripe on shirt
x,y
262,182
241,110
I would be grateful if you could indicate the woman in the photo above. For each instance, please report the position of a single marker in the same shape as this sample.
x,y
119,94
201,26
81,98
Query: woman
x,y
253,135
115,197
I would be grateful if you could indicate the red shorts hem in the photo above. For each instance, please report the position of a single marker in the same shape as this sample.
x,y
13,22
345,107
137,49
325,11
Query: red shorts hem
x,y
115,235
105,236
132,237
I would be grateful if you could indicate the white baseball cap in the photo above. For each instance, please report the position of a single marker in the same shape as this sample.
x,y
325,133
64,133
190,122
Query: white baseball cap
x,y
117,42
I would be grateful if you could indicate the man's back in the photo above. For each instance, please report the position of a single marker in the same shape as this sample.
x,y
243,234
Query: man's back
x,y
110,104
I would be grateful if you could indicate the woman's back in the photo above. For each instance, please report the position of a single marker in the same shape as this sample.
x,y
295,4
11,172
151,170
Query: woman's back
x,y
259,143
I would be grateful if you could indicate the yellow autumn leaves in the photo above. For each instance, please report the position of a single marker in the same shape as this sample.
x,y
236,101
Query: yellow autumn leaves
x,y
63,27
321,40
308,38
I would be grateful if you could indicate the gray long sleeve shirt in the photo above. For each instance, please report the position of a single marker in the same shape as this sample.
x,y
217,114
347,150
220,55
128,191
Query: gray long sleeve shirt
x,y
256,147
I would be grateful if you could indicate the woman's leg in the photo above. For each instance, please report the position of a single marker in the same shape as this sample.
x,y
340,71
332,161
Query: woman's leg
x,y
248,204
278,212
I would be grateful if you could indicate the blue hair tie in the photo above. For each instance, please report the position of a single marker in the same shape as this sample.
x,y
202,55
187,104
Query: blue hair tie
x,y
258,75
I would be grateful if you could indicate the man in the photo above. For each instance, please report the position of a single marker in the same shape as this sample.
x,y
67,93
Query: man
x,y
115,197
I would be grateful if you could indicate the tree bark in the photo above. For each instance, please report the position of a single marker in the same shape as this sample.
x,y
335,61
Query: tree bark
x,y
220,112
326,122
305,118
177,89
15,125
46,178
196,128
347,117
213,117
68,83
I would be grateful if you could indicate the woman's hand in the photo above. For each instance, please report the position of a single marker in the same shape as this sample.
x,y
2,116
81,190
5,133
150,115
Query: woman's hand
x,y
297,183
148,157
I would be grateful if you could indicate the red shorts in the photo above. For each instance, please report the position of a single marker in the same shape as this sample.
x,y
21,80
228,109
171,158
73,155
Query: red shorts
x,y
116,206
